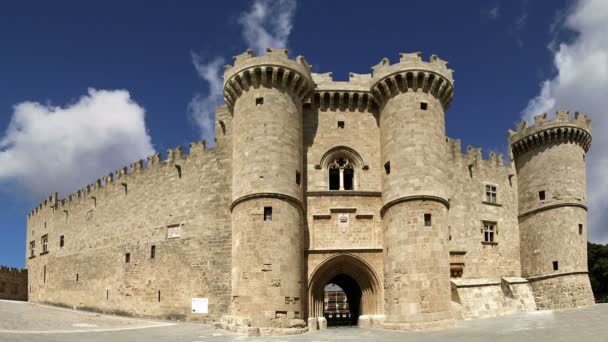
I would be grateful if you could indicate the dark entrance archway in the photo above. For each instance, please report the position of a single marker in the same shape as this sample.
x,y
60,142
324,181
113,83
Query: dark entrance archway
x,y
342,307
356,278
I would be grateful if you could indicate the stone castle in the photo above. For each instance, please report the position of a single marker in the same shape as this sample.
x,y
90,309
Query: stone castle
x,y
313,181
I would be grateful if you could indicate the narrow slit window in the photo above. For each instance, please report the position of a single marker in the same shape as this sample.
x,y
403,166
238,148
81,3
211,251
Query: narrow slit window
x,y
541,195
179,171
128,258
427,220
298,178
267,213
580,229
423,105
44,275
159,296
153,252
555,266
259,101
61,241
341,124
387,167
76,277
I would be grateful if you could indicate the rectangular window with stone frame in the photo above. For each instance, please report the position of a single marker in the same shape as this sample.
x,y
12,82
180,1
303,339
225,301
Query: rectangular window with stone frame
x,y
32,249
489,232
490,193
45,243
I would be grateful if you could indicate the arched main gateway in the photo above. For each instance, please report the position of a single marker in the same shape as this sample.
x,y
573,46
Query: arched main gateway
x,y
358,280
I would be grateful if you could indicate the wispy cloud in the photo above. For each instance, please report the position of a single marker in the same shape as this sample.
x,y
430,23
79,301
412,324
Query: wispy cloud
x,y
202,107
580,84
268,24
519,25
47,149
265,24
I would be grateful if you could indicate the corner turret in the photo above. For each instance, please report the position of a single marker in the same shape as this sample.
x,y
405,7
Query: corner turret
x,y
549,159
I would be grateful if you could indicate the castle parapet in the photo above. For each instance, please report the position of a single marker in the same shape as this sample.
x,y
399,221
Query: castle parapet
x,y
336,95
123,174
562,128
412,74
274,69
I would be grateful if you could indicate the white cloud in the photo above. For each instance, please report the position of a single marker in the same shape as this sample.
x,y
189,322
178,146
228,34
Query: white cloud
x,y
268,24
581,85
202,107
47,149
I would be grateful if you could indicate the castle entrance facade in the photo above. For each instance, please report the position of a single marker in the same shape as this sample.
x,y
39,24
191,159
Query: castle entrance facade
x,y
344,289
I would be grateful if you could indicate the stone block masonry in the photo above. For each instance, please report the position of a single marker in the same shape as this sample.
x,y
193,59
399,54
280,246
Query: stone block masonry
x,y
314,182
13,283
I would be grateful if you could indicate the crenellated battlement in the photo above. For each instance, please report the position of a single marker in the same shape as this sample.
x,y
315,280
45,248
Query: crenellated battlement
x,y
123,176
274,69
561,128
351,95
13,271
412,74
474,155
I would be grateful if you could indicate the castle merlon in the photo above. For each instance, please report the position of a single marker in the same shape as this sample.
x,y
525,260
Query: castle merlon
x,y
411,74
562,128
274,69
12,270
123,174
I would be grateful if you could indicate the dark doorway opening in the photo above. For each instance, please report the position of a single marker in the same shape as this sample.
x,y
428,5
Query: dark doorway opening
x,y
342,301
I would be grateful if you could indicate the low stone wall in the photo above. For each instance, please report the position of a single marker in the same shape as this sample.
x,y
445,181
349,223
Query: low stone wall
x,y
13,283
490,297
562,291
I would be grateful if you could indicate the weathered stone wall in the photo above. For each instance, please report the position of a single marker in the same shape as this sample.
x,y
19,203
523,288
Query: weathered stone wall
x,y
562,291
268,280
468,176
13,283
490,297
343,222
416,267
180,205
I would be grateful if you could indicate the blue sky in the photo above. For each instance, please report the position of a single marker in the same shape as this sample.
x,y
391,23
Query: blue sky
x,y
72,72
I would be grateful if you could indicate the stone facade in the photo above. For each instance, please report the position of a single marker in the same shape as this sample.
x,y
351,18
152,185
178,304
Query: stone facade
x,y
313,181
13,283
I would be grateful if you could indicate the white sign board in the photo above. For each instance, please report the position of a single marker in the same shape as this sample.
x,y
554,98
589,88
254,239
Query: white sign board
x,y
200,305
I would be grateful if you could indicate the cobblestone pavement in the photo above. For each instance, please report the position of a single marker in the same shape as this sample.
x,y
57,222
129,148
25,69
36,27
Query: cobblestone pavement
x,y
21,321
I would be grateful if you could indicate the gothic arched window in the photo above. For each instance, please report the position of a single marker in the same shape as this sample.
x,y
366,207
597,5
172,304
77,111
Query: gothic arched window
x,y
341,174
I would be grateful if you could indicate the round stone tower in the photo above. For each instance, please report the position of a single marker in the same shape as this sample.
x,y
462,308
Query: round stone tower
x,y
412,97
265,95
549,160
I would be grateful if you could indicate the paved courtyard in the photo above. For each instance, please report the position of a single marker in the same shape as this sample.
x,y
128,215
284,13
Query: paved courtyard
x,y
20,321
